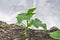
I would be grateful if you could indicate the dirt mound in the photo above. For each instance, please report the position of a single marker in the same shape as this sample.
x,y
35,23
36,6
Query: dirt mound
x,y
15,32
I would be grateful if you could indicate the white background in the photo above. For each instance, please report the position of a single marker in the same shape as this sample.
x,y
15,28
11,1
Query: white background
x,y
46,10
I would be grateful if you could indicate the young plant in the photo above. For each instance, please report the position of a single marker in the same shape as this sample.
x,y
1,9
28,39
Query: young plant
x,y
55,35
27,16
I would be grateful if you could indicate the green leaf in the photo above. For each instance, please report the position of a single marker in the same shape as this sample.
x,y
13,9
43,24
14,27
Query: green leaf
x,y
36,22
20,17
19,20
28,16
44,26
23,16
29,24
31,10
55,35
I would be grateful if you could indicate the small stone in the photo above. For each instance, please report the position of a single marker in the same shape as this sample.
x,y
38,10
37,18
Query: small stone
x,y
53,29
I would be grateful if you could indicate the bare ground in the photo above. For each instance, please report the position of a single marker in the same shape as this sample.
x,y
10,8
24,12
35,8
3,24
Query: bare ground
x,y
15,32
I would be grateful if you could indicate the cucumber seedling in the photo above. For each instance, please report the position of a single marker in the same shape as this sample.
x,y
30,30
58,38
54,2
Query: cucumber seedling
x,y
27,17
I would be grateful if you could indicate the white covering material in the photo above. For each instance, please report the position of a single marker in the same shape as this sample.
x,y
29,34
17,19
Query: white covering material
x,y
47,10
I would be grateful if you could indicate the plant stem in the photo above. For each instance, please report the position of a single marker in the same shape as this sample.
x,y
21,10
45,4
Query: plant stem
x,y
26,30
27,23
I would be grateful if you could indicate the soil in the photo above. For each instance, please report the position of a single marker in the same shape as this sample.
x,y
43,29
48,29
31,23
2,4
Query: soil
x,y
15,32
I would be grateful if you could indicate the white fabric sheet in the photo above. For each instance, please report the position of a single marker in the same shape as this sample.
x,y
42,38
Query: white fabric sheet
x,y
46,10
